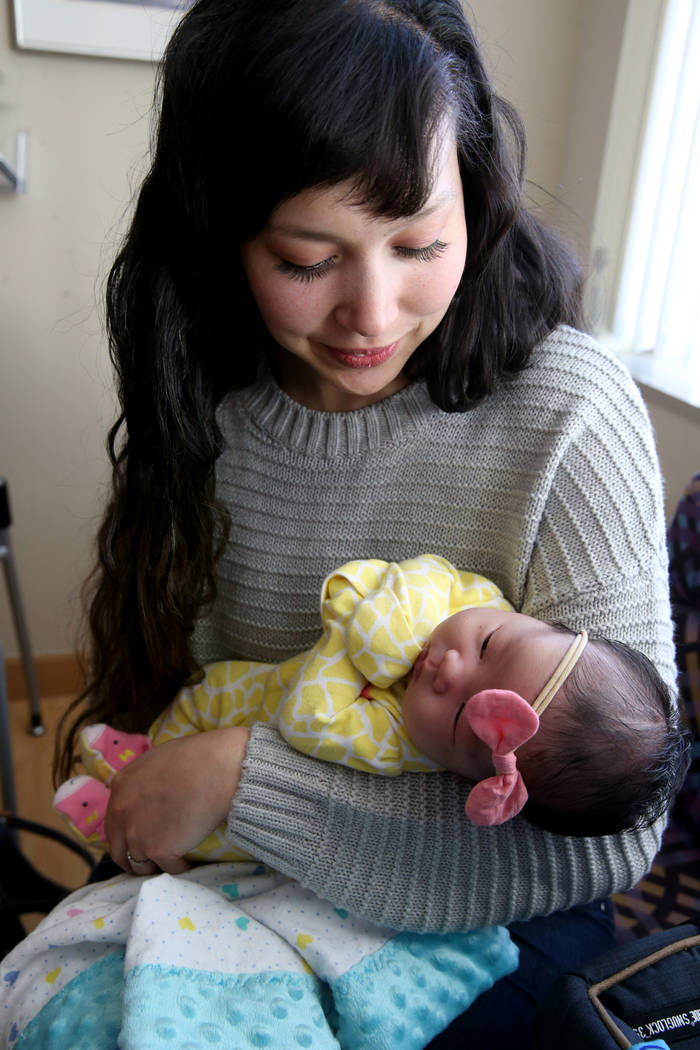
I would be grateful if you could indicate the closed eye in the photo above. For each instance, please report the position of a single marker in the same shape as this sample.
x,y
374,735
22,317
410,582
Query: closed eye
x,y
306,273
431,251
484,644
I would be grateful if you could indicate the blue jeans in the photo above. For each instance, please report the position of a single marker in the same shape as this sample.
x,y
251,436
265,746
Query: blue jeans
x,y
501,1017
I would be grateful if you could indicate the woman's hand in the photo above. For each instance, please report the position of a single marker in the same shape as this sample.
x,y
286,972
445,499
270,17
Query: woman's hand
x,y
168,801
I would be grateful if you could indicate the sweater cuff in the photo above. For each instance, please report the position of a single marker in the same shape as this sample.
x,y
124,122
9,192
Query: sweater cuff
x,y
277,814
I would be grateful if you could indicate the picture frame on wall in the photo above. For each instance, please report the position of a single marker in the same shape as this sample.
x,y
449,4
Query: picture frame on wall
x,y
108,28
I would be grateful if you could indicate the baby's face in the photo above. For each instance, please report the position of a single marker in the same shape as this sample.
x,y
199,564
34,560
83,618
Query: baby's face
x,y
475,649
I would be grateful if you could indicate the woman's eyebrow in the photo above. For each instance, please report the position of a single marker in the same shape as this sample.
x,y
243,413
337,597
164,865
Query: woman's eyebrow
x,y
309,233
434,204
303,233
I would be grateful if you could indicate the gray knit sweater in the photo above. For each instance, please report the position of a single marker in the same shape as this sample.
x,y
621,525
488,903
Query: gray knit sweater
x,y
551,488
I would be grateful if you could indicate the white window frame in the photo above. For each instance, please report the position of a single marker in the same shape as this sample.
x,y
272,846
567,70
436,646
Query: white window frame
x,y
631,107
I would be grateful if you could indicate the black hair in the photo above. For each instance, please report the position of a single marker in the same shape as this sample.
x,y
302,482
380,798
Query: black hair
x,y
611,754
258,101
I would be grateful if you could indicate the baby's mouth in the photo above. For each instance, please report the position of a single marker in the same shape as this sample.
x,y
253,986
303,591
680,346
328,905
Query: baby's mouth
x,y
418,665
454,727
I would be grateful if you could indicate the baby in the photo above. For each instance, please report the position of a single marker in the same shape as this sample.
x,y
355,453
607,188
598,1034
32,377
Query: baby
x,y
598,748
424,667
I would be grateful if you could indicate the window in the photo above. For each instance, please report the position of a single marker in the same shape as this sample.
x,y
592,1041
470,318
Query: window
x,y
658,303
647,291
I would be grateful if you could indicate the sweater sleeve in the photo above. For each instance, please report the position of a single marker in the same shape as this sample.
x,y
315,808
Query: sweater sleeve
x,y
401,852
598,555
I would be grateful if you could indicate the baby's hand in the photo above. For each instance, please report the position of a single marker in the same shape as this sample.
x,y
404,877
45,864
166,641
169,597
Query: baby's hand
x,y
171,799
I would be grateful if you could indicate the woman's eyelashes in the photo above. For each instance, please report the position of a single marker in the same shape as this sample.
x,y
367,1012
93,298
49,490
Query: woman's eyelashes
x,y
296,272
427,254
306,273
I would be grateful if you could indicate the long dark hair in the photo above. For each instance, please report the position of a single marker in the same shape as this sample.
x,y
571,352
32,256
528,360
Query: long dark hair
x,y
257,102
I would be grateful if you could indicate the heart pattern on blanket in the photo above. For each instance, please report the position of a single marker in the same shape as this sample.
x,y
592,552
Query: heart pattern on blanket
x,y
183,987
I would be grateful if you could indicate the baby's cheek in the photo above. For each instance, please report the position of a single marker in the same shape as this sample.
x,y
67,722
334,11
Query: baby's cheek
x,y
414,718
476,761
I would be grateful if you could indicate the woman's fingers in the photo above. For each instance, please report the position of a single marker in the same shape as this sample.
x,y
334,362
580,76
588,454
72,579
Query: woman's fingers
x,y
140,866
172,798
130,858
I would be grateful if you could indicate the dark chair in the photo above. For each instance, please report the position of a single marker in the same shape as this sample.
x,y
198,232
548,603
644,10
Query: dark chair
x,y
17,606
23,889
670,893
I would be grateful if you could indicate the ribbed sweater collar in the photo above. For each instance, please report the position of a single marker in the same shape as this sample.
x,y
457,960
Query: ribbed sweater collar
x,y
330,434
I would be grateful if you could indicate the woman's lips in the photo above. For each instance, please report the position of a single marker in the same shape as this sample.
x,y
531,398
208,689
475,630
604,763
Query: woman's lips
x,y
370,358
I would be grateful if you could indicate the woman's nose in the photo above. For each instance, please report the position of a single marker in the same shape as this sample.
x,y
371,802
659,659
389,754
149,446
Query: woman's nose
x,y
370,306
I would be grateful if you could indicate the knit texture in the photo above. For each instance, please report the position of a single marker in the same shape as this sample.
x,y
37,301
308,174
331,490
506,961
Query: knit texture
x,y
551,488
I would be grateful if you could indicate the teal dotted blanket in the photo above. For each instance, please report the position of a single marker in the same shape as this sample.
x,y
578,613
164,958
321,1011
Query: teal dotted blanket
x,y
235,957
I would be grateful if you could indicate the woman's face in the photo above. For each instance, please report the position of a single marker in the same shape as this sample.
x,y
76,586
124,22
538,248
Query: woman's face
x,y
348,296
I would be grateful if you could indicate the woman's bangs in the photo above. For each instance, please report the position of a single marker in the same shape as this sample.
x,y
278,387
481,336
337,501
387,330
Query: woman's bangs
x,y
363,101
392,164
385,137
338,92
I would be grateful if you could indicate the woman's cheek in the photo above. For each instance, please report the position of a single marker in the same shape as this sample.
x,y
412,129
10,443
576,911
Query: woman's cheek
x,y
455,268
435,290
285,305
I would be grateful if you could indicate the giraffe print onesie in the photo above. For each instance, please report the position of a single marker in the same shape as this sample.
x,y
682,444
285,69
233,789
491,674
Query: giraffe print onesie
x,y
339,701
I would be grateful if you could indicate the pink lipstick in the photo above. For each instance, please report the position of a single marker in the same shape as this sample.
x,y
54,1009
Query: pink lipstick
x,y
370,358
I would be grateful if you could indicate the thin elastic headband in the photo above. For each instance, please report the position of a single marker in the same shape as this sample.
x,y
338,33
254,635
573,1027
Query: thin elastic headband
x,y
561,673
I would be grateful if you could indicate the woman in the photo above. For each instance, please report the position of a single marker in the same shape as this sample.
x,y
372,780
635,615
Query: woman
x,y
338,334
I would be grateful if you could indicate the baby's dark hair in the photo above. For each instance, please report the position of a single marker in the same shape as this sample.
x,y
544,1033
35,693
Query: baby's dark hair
x,y
610,754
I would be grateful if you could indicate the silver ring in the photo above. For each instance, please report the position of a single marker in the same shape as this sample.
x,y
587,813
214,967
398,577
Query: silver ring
x,y
137,863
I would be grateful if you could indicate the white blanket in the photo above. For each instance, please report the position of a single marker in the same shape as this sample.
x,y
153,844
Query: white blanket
x,y
233,956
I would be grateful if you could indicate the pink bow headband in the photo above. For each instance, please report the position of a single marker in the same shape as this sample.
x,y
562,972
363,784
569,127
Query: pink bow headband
x,y
504,721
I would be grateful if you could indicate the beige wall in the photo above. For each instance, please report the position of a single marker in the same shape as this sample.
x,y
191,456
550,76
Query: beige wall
x,y
86,126
677,430
87,120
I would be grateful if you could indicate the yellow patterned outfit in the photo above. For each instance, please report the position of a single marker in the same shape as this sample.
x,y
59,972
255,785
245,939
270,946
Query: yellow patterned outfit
x,y
341,700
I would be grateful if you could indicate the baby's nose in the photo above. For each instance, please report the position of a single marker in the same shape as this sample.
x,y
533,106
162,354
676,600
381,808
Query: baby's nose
x,y
448,671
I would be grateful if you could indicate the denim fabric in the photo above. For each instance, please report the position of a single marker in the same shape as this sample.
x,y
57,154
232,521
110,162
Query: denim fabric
x,y
501,1017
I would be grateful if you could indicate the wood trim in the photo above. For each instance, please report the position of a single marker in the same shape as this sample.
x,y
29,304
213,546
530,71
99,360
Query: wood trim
x,y
58,674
